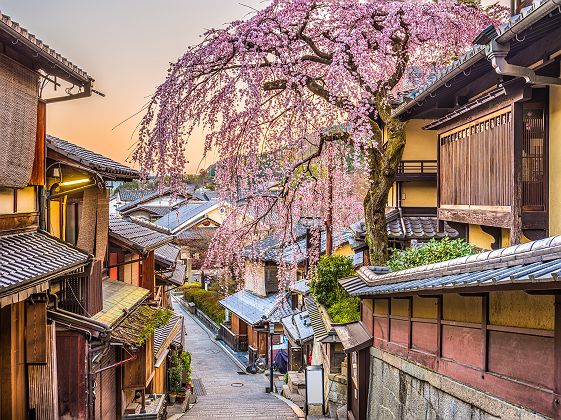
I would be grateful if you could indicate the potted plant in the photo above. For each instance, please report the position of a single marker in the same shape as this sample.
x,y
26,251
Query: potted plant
x,y
174,372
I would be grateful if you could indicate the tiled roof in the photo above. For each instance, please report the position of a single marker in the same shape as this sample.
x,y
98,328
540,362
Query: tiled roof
x,y
354,336
157,210
132,195
404,228
91,160
167,254
323,330
298,326
40,49
138,237
186,194
164,336
300,286
530,263
505,32
254,309
33,256
185,213
119,298
131,330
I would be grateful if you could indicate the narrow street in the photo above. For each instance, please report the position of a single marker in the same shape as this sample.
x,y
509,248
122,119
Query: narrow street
x,y
228,393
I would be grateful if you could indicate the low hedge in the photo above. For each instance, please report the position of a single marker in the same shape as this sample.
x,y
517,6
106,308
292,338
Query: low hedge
x,y
206,301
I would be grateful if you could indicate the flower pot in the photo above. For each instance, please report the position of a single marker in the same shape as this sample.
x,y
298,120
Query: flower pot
x,y
172,398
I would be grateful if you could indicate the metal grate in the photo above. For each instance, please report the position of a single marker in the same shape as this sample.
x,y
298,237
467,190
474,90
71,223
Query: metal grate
x,y
198,388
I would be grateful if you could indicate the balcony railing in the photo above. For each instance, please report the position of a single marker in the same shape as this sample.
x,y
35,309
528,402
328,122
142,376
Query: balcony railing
x,y
417,170
238,342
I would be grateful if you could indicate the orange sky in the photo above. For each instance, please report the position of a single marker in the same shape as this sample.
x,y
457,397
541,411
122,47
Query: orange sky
x,y
126,45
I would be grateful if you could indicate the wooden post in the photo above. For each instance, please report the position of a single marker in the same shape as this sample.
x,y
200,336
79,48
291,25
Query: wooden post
x,y
148,281
516,205
439,327
484,338
410,315
329,220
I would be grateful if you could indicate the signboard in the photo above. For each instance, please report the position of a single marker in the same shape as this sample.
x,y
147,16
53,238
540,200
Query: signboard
x,y
314,385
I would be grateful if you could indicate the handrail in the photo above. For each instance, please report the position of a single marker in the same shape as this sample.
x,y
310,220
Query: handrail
x,y
417,167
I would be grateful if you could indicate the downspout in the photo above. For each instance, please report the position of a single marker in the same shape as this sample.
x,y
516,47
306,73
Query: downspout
x,y
498,52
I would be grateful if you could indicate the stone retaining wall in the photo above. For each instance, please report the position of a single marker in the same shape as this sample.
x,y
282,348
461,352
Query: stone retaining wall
x,y
403,390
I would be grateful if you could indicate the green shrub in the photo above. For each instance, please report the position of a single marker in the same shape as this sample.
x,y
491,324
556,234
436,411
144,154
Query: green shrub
x,y
325,286
345,310
206,301
430,252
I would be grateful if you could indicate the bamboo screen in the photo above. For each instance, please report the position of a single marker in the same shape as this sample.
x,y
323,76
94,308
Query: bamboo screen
x,y
18,122
476,162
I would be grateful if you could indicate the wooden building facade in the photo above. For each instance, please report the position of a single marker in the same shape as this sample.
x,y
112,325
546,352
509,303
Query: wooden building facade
x,y
494,118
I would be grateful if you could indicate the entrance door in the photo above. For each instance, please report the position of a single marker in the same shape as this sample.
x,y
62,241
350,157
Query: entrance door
x,y
358,372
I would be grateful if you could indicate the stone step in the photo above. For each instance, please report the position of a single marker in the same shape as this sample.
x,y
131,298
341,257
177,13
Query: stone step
x,y
296,381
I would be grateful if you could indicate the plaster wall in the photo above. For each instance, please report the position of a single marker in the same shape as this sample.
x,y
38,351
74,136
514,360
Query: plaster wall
x,y
421,144
344,250
519,309
425,307
418,194
481,239
461,308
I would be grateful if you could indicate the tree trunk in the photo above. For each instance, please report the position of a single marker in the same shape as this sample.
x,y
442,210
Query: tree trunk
x,y
384,162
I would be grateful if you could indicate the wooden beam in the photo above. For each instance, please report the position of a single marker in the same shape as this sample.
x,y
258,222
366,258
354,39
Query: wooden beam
x,y
476,216
439,327
557,348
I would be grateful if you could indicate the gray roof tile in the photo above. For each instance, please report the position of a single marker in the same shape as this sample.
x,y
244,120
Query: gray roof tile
x,y
91,160
531,262
138,237
30,256
254,309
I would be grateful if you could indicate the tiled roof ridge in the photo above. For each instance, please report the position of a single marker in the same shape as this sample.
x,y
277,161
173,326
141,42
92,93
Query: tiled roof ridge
x,y
45,49
148,224
540,250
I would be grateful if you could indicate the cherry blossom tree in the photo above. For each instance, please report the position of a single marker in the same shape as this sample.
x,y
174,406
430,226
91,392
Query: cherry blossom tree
x,y
296,99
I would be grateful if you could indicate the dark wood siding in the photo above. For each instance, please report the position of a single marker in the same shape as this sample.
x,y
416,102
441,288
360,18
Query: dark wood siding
x,y
476,161
13,390
94,292
72,374
43,386
106,391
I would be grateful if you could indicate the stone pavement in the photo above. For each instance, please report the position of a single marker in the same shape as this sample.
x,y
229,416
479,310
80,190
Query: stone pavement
x,y
229,395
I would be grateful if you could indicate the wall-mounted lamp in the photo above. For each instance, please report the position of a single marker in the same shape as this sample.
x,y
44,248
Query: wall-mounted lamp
x,y
75,182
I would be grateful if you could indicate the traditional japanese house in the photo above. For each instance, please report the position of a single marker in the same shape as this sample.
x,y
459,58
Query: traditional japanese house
x,y
167,338
479,335
124,372
249,314
132,249
298,329
154,204
31,261
494,114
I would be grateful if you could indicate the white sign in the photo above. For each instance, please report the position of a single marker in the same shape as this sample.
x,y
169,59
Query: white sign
x,y
314,384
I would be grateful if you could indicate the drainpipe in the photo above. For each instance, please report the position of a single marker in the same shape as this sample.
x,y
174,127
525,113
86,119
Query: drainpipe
x,y
498,52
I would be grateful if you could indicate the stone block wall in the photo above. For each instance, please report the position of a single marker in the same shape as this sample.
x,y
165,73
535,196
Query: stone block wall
x,y
403,390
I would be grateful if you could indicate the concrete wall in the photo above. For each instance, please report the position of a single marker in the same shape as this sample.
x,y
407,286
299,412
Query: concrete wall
x,y
403,390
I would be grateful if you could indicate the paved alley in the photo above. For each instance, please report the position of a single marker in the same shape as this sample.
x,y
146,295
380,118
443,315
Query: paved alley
x,y
228,393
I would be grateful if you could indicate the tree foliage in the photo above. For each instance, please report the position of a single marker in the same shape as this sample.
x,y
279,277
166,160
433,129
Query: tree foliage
x,y
300,81
325,285
206,301
428,253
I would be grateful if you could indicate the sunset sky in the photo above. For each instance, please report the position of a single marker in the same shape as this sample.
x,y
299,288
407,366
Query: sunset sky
x,y
126,46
